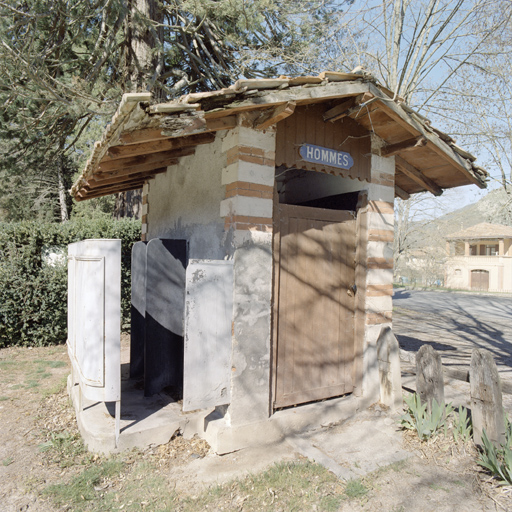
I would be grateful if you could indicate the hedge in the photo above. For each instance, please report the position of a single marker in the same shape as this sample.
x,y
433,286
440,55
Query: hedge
x,y
33,290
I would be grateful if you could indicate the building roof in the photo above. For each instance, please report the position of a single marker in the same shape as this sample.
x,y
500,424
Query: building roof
x,y
482,231
145,137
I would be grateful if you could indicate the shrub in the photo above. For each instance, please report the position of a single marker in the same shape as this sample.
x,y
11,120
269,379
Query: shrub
x,y
418,417
33,288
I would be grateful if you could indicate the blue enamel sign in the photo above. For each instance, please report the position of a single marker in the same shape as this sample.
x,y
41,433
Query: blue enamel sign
x,y
326,156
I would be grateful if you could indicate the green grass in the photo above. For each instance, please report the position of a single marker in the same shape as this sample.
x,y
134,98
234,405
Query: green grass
x,y
355,489
83,487
33,373
112,483
8,461
65,449
300,486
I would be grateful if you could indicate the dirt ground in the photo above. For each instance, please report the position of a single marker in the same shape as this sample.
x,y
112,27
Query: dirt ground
x,y
35,412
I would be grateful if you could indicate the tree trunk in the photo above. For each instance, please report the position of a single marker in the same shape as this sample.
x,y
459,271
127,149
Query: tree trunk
x,y
64,214
144,64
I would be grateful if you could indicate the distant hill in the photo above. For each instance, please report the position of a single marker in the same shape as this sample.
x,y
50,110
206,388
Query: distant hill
x,y
495,207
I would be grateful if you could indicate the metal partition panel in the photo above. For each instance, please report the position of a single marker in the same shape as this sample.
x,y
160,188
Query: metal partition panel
x,y
165,305
138,309
208,317
94,317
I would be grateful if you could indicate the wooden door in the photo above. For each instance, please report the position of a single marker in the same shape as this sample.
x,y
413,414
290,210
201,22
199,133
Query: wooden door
x,y
479,279
314,251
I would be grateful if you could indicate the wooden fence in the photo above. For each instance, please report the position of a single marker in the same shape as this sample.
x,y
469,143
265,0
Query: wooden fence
x,y
486,388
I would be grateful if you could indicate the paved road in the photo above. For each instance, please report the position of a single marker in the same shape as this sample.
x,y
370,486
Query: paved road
x,y
454,324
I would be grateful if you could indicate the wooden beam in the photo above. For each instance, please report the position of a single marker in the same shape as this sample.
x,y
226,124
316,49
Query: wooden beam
x,y
302,96
155,134
401,193
418,176
100,181
121,163
221,123
273,116
157,146
405,145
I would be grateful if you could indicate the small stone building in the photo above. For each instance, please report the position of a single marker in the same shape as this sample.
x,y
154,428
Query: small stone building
x,y
480,258
280,193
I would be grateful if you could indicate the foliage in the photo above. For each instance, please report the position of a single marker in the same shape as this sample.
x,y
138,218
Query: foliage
x,y
33,283
418,417
65,64
462,427
497,460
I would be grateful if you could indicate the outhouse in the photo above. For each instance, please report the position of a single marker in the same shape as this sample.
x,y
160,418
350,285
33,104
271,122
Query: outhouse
x,y
273,198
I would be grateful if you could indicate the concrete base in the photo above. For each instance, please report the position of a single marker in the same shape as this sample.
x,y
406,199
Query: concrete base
x,y
144,421
153,421
226,438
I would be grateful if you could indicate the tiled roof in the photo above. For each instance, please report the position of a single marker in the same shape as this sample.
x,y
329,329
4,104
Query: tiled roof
x,y
483,230
441,163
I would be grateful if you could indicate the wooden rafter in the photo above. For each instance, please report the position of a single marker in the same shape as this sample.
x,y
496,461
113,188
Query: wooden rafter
x,y
141,160
149,167
339,111
156,146
417,176
83,194
347,108
433,141
401,193
99,181
273,116
406,145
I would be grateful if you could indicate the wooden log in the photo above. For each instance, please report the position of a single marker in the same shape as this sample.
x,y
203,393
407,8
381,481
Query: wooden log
x,y
273,116
429,376
405,145
486,398
157,146
388,356
418,176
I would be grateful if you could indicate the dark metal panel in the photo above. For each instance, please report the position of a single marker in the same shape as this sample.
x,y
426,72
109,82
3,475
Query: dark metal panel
x,y
165,306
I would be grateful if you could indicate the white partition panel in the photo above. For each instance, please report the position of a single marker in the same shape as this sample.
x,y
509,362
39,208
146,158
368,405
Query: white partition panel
x,y
94,317
208,316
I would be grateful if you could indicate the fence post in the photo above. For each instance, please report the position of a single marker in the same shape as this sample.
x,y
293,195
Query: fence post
x,y
429,376
388,355
486,398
